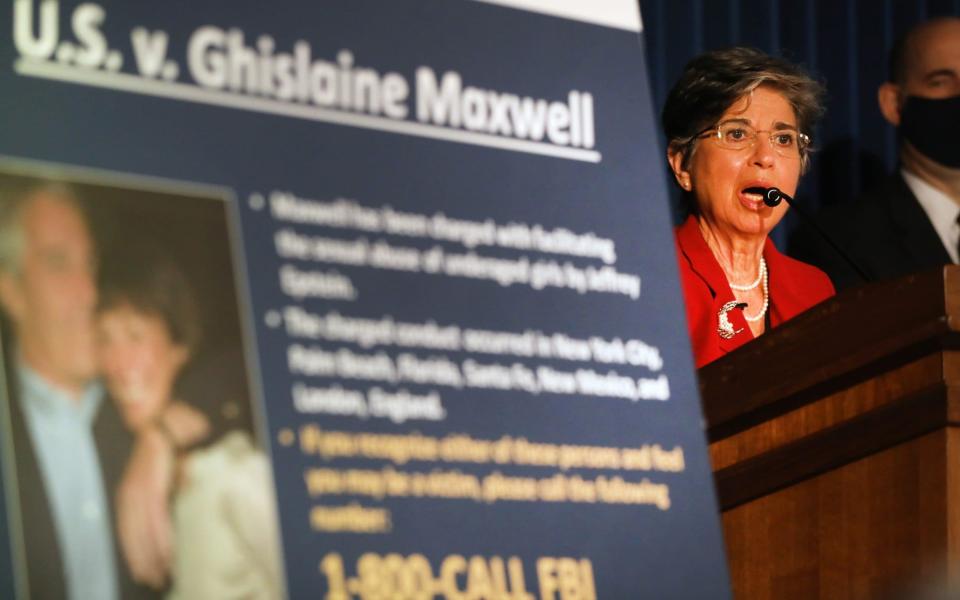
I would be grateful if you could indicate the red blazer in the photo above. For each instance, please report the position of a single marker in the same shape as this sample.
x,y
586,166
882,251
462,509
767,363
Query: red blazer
x,y
793,287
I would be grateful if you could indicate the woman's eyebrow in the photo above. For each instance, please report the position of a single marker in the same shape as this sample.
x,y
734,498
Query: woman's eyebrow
x,y
782,125
778,125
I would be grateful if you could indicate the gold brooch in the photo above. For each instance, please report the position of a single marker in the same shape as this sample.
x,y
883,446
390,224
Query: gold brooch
x,y
724,326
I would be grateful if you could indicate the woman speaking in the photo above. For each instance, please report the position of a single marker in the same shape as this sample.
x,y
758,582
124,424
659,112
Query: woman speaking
x,y
737,122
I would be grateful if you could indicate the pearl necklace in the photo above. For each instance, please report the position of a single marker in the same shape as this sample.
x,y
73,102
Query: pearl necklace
x,y
747,288
766,297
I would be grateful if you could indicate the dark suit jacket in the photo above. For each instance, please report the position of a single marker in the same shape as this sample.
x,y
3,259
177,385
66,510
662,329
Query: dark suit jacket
x,y
45,574
793,288
886,232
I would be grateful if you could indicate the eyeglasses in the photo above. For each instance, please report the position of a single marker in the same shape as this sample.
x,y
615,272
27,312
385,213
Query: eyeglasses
x,y
737,135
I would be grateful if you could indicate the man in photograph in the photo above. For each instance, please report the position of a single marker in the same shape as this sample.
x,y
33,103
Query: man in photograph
x,y
66,437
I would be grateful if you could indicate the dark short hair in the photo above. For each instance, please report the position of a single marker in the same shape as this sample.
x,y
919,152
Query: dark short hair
x,y
714,80
149,282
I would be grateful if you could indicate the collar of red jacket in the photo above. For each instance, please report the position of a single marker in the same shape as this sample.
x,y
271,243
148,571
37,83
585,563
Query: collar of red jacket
x,y
705,264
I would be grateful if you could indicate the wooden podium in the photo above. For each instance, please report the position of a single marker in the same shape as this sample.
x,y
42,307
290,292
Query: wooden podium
x,y
835,445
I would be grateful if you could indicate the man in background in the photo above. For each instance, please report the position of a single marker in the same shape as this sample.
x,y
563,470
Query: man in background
x,y
910,222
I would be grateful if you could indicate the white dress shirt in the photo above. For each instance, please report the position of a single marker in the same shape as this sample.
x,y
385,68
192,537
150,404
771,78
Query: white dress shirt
x,y
941,210
61,429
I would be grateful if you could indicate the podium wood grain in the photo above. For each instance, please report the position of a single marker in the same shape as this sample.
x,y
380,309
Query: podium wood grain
x,y
835,445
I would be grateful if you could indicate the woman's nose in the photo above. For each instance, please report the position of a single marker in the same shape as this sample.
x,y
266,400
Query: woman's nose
x,y
763,153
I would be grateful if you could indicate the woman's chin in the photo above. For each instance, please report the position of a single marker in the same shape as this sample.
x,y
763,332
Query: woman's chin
x,y
135,414
745,226
759,222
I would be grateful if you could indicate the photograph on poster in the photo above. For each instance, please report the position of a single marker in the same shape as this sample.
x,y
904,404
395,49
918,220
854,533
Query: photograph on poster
x,y
131,463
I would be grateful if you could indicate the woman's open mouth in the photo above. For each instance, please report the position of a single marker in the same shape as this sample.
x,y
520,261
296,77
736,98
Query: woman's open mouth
x,y
751,200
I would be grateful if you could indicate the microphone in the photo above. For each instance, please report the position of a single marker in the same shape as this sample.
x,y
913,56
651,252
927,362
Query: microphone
x,y
772,197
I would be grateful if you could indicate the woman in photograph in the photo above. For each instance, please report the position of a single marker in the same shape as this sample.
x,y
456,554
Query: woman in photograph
x,y
739,120
224,524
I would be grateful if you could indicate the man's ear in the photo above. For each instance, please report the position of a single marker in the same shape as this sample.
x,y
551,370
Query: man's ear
x,y
11,295
675,158
888,97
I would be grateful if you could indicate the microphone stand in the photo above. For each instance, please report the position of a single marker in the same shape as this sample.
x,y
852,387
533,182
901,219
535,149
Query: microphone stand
x,y
773,196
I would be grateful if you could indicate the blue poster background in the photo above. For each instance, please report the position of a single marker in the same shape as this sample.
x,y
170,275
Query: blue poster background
x,y
636,551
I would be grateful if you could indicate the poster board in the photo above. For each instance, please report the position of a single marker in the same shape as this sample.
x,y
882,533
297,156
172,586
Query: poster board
x,y
451,269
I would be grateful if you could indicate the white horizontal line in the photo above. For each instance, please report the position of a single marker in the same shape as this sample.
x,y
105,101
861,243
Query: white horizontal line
x,y
620,14
191,93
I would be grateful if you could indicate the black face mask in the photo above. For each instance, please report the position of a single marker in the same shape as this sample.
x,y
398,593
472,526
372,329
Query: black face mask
x,y
933,127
